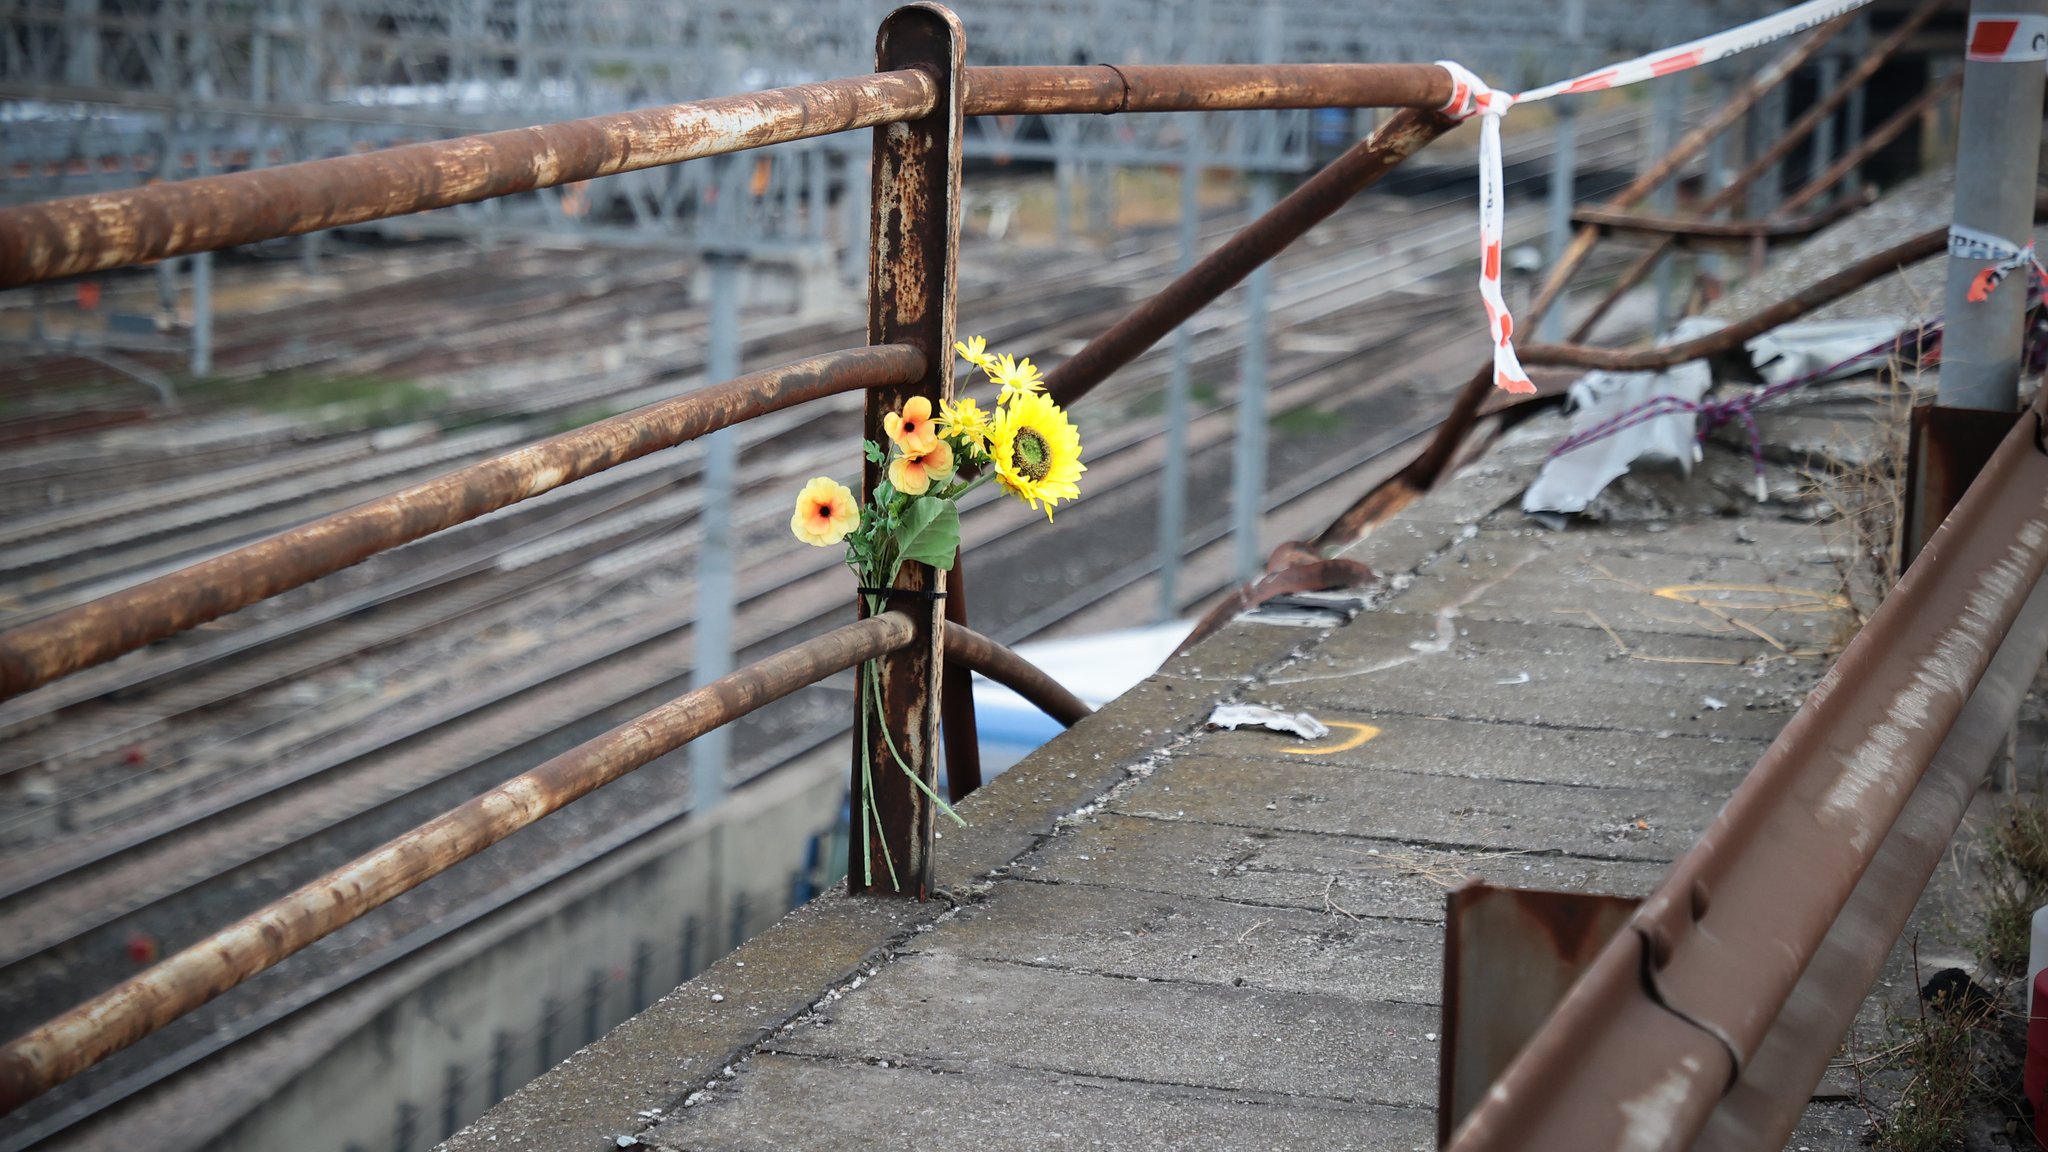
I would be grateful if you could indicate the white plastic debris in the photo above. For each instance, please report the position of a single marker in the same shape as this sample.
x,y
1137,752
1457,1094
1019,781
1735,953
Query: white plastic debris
x,y
1796,349
1259,716
1715,703
1570,481
1517,678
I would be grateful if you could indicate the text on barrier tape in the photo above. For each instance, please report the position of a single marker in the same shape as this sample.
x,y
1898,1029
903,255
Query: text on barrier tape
x,y
1971,244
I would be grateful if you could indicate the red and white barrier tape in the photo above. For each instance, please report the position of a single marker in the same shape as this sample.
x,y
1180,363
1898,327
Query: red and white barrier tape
x,y
1471,96
1970,244
1999,38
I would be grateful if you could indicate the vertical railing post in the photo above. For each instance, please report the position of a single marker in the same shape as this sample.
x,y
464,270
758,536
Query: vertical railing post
x,y
912,257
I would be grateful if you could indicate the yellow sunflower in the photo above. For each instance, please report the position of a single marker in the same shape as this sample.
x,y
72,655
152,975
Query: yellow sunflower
x,y
1037,451
965,420
1018,377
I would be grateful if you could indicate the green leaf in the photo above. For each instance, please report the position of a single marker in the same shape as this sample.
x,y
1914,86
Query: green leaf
x,y
873,451
930,532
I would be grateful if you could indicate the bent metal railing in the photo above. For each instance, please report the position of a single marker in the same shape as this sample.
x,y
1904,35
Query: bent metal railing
x,y
1707,943
915,102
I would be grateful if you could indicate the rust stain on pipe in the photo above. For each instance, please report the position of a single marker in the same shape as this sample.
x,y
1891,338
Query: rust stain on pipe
x,y
79,234
977,653
69,1044
36,653
1255,243
1105,88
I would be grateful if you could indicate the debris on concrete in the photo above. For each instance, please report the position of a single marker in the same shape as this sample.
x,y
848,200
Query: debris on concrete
x,y
1570,480
1259,716
1812,345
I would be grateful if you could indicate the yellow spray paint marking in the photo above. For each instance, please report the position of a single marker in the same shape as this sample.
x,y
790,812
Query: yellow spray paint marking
x,y
1768,598
1360,733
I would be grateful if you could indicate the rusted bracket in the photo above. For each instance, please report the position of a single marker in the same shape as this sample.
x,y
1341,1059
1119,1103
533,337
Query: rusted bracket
x,y
912,258
1945,449
1510,954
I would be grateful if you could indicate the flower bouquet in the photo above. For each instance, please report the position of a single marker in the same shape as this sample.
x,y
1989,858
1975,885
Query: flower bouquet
x,y
1025,444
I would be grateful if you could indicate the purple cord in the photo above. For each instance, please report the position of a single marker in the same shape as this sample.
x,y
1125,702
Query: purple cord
x,y
1714,413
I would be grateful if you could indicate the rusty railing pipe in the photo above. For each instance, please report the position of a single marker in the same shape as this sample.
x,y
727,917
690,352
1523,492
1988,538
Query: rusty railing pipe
x,y
1698,231
77,234
1254,244
69,1044
1728,934
974,652
99,630
1107,88
101,230
1821,292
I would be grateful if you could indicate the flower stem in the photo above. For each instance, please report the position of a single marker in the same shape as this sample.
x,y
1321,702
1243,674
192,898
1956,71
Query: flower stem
x,y
870,673
907,771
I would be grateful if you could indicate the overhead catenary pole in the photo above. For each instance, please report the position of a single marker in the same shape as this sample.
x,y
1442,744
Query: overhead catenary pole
x,y
1173,475
1998,152
1563,162
1563,183
1666,109
1249,466
712,645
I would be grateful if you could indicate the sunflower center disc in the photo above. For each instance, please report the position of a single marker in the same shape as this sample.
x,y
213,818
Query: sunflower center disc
x,y
1030,456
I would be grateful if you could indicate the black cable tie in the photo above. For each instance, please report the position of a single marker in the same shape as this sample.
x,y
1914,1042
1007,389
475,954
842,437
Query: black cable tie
x,y
913,593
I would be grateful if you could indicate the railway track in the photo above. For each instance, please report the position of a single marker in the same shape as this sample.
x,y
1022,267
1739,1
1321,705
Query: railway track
x,y
463,707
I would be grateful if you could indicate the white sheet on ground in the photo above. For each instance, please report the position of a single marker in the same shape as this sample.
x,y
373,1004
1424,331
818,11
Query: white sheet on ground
x,y
1811,345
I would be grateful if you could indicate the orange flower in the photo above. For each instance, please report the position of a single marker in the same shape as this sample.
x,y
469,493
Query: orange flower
x,y
913,472
912,429
825,513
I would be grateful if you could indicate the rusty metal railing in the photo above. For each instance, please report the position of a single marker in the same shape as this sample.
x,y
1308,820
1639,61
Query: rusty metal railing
x,y
915,103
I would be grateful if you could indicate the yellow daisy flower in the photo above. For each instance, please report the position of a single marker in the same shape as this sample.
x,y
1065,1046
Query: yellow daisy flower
x,y
1018,377
1037,451
965,420
825,513
975,352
